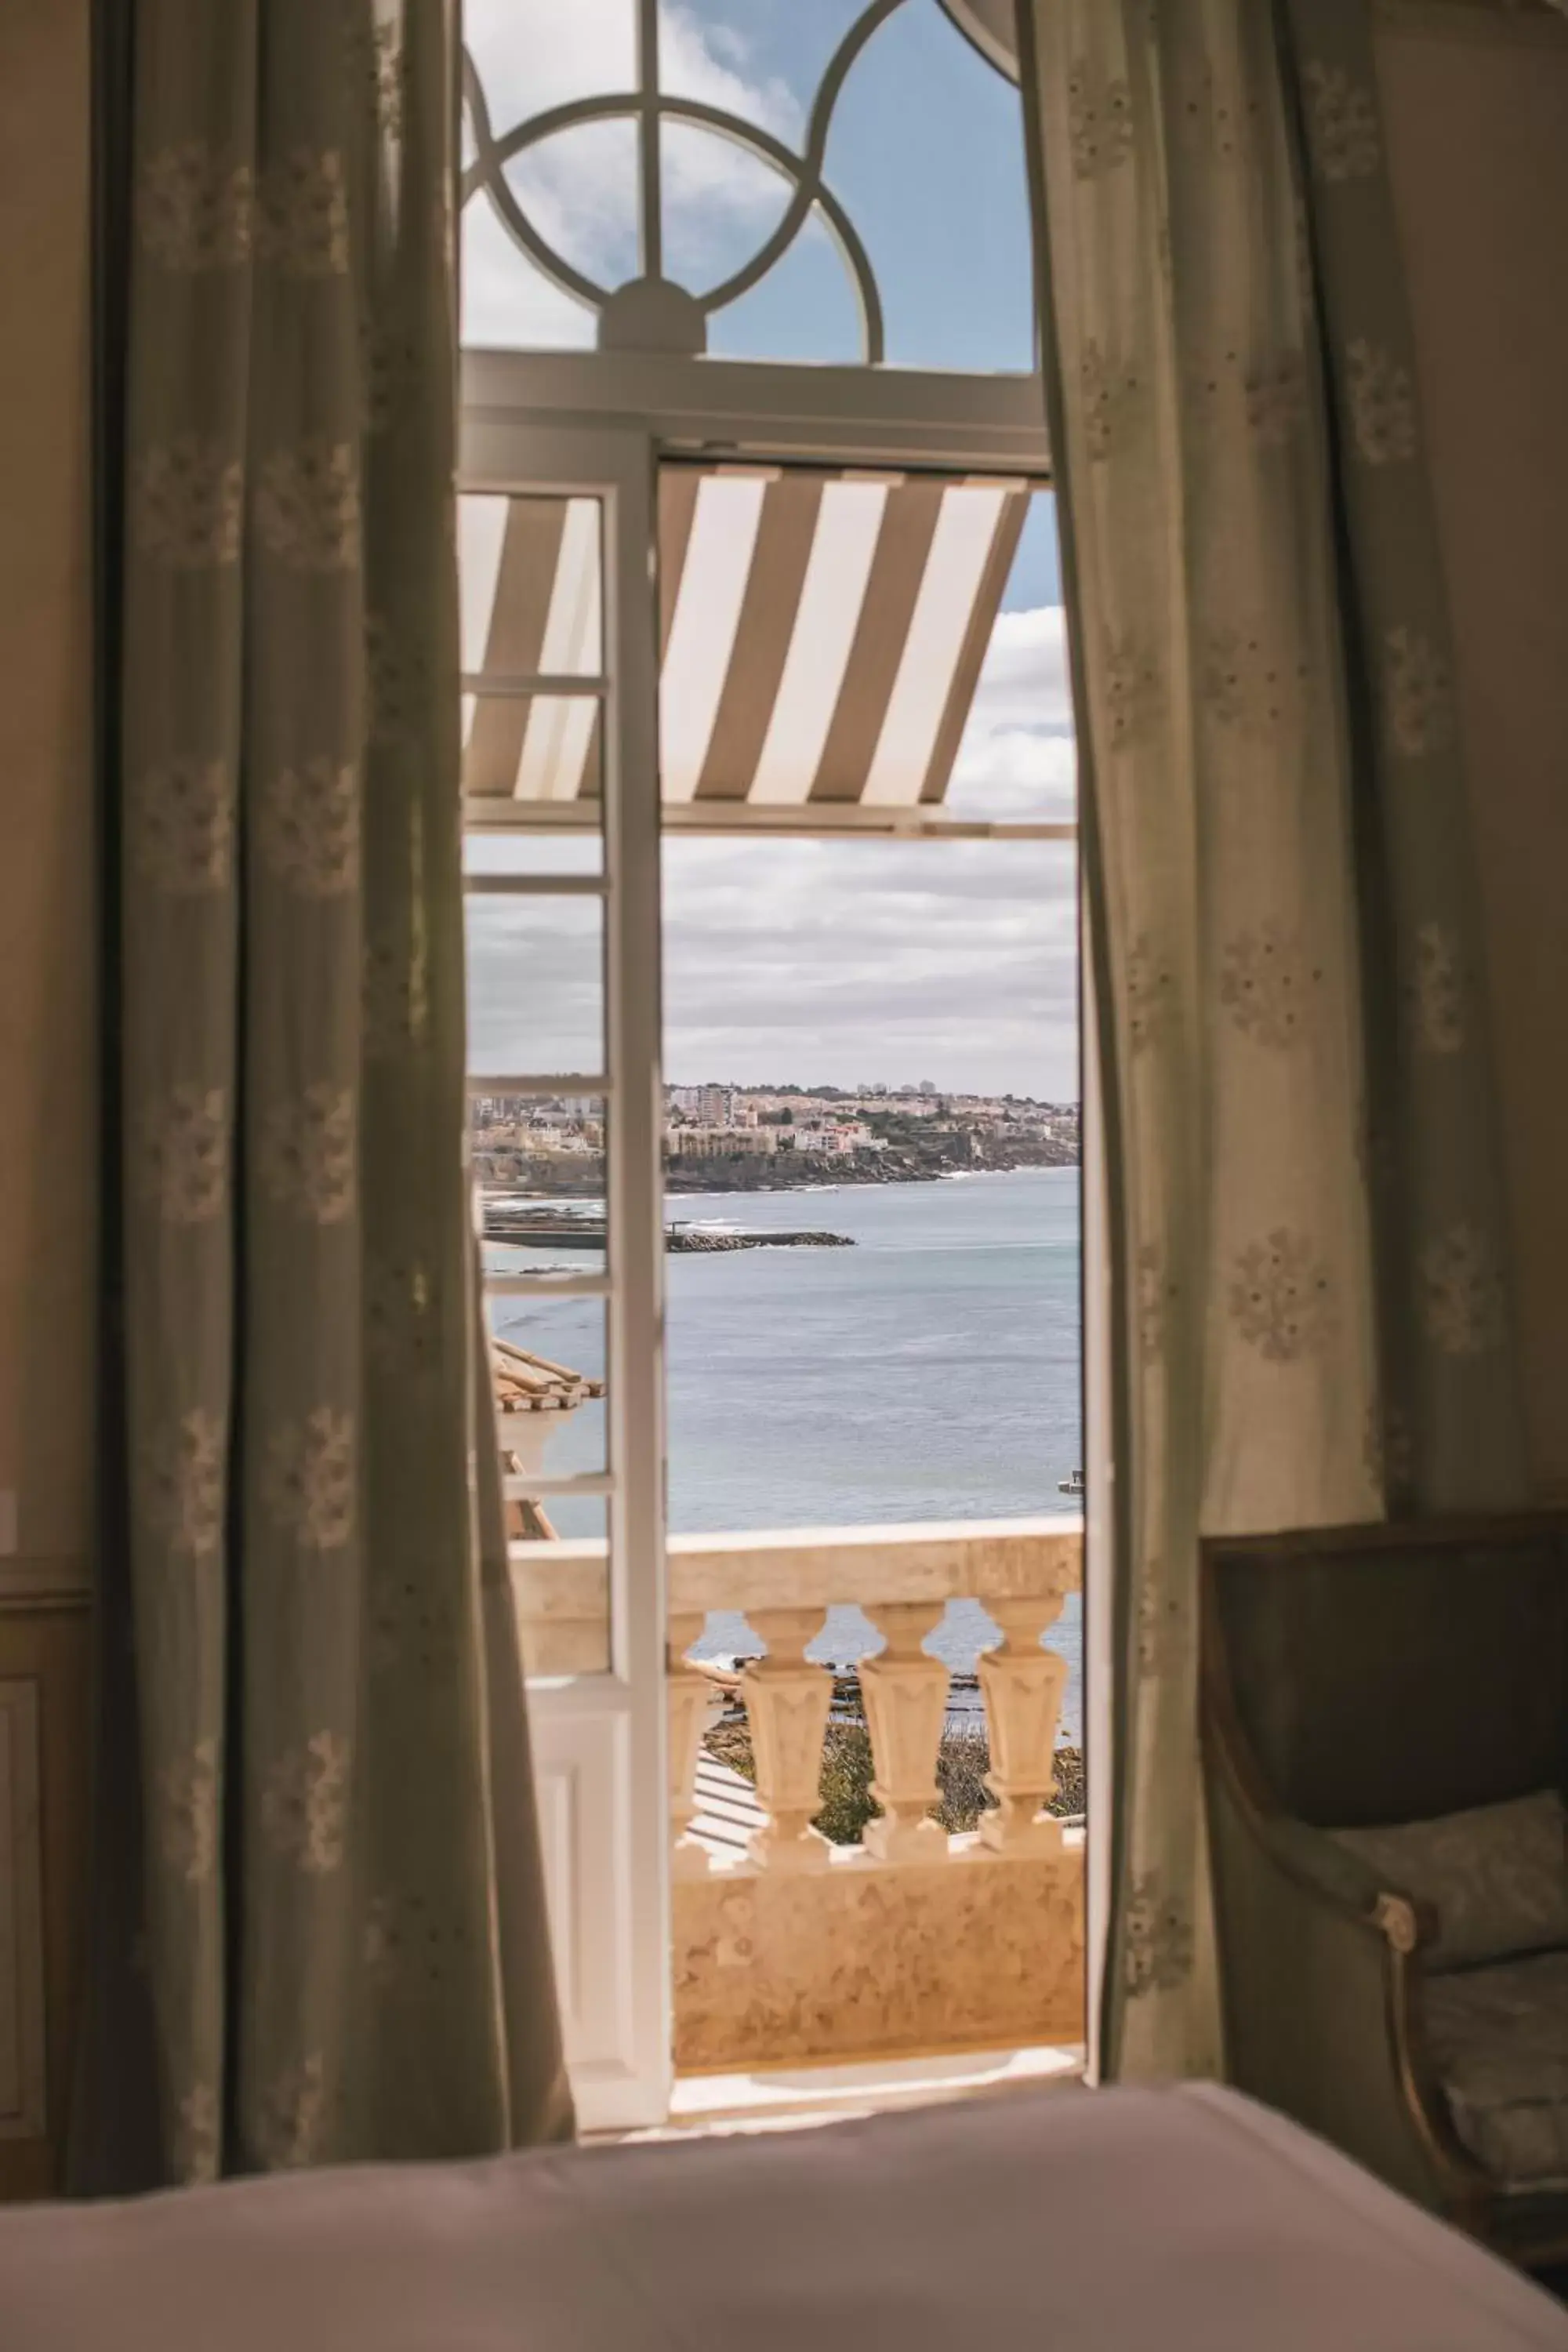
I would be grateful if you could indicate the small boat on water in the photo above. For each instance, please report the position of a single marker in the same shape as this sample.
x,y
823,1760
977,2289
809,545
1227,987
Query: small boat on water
x,y
1071,1485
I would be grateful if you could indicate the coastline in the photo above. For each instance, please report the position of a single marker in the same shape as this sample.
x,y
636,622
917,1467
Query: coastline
x,y
700,1177
574,1222
722,1177
813,1388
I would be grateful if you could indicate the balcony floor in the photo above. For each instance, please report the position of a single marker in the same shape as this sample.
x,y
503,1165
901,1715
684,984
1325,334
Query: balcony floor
x,y
803,2097
727,1809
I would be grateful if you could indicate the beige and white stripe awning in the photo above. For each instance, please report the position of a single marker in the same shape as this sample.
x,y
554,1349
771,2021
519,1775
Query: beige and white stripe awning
x,y
821,636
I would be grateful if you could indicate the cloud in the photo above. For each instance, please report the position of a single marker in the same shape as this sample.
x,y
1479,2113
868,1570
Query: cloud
x,y
812,960
692,65
846,961
838,962
1024,679
534,55
1017,758
580,187
1018,774
508,304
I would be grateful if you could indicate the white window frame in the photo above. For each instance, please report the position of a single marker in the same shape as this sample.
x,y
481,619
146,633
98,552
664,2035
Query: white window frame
x,y
599,1738
597,424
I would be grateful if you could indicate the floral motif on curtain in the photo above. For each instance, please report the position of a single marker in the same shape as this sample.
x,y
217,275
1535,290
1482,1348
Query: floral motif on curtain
x,y
1215,758
1307,1245
1449,1377
309,1442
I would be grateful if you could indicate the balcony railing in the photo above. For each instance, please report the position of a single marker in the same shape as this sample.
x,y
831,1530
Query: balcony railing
x,y
912,1940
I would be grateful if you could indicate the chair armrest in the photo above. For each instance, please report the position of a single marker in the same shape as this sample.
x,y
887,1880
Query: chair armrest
x,y
1321,1866
1316,1979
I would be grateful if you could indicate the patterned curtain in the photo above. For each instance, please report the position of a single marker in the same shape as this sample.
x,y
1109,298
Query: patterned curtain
x,y
1308,1318
342,1949
1452,1424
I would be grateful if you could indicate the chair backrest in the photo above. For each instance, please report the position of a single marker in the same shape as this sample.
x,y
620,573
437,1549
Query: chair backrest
x,y
1396,1673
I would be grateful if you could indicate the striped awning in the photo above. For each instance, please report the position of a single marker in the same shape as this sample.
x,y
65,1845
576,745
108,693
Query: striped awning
x,y
821,635
532,611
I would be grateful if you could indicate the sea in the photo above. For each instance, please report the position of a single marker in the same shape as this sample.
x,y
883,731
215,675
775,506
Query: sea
x,y
933,1372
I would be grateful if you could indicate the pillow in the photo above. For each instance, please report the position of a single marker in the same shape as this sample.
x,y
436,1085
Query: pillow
x,y
1496,1877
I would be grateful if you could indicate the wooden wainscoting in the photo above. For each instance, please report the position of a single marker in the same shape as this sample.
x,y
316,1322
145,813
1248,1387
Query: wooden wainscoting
x,y
45,1745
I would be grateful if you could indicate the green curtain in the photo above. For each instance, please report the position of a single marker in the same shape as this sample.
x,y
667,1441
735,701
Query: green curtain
x,y
1310,1319
343,1950
1452,1425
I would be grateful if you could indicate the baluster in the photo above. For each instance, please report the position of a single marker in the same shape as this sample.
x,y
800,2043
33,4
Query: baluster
x,y
690,1698
1022,1686
905,1696
787,1702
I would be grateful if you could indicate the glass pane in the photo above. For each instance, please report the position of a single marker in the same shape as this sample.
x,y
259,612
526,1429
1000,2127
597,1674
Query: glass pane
x,y
548,1363
805,309
508,304
550,1248
539,1161
761,59
561,1580
536,985
532,55
1017,758
530,578
579,190
722,202
927,155
520,852
521,750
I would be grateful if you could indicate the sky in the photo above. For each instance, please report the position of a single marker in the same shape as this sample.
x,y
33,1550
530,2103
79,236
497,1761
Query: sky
x,y
844,962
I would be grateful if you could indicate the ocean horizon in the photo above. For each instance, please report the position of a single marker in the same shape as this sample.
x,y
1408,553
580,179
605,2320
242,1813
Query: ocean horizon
x,y
931,1372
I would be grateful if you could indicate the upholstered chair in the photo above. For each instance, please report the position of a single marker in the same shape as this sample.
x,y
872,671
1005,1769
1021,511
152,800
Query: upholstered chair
x,y
1385,1715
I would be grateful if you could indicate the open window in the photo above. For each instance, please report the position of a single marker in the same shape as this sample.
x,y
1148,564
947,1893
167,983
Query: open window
x,y
731,625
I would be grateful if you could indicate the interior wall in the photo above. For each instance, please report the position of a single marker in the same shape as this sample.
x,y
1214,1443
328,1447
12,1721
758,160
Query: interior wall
x,y
47,885
48,1140
1476,106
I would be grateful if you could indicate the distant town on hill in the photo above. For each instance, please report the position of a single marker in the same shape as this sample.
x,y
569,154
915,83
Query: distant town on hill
x,y
766,1139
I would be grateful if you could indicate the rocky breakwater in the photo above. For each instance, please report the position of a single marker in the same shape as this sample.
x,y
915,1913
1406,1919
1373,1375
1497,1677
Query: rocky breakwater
x,y
701,1239
528,1228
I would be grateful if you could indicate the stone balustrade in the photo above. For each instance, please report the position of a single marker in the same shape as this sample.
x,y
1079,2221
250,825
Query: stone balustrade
x,y
914,1940
902,1578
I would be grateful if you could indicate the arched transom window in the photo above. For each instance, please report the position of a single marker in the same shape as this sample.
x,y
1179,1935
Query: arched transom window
x,y
831,180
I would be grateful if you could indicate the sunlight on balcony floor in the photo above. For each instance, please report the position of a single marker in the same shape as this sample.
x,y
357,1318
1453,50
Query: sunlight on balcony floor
x,y
799,2097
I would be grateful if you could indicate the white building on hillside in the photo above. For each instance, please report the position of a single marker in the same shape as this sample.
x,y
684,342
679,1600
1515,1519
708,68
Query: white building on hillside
x,y
721,1143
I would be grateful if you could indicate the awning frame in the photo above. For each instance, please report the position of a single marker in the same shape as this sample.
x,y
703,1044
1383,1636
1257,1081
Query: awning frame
x,y
756,412
821,820
749,413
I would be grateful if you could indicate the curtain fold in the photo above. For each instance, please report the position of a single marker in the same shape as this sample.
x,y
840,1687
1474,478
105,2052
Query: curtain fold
x,y
344,1951
1251,848
1451,1426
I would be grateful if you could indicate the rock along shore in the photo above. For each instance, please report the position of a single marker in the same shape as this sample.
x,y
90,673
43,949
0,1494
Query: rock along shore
x,y
533,1228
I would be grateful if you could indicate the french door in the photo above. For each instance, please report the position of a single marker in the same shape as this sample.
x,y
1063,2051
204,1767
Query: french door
x,y
560,557
561,810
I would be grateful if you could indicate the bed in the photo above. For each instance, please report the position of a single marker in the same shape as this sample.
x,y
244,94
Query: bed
x,y
1127,2221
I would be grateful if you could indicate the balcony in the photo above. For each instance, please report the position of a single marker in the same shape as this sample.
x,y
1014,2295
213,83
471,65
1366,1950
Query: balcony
x,y
911,1941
